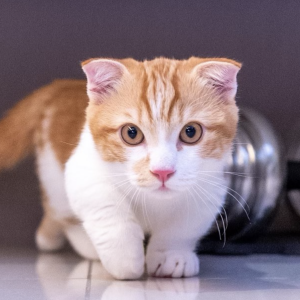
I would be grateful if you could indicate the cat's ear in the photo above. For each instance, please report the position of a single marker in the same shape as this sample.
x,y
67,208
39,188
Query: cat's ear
x,y
103,77
219,76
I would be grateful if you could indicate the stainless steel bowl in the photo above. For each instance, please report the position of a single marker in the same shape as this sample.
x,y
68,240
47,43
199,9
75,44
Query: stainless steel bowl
x,y
256,174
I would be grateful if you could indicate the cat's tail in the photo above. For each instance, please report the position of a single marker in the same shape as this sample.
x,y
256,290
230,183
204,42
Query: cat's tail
x,y
18,126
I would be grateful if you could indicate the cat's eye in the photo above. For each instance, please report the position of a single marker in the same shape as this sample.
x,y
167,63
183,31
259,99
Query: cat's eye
x,y
131,134
191,133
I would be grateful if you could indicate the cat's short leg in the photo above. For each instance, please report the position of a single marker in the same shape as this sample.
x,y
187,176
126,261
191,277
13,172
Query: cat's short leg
x,y
80,241
50,235
119,244
111,226
174,236
172,257
171,248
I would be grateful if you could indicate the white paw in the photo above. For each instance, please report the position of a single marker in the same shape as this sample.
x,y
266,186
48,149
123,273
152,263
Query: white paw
x,y
172,263
122,264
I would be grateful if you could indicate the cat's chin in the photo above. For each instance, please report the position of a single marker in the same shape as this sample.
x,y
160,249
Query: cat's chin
x,y
164,192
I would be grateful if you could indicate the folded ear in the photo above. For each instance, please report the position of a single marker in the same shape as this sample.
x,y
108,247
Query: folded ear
x,y
103,78
220,76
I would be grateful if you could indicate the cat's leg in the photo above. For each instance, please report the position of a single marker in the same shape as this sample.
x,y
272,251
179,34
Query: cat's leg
x,y
111,226
57,227
118,240
59,221
50,235
171,248
172,257
80,241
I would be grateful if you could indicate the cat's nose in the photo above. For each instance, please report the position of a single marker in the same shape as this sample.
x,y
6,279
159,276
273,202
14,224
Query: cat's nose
x,y
163,174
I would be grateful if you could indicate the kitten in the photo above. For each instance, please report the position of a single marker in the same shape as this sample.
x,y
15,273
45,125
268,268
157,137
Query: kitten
x,y
135,157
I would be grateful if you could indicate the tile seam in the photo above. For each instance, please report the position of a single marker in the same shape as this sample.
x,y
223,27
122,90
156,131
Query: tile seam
x,y
88,282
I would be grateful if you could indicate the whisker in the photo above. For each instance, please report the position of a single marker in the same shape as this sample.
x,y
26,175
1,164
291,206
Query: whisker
x,y
188,211
225,224
240,143
145,204
136,204
130,202
246,175
143,209
121,183
199,212
225,213
228,188
223,187
208,209
126,193
219,231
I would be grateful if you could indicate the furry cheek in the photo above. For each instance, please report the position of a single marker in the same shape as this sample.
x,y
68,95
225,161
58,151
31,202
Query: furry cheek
x,y
108,143
111,151
215,146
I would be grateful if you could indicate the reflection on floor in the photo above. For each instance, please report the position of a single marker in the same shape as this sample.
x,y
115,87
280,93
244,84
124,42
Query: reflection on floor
x,y
27,274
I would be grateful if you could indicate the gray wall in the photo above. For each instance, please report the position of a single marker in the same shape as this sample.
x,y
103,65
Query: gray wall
x,y
43,40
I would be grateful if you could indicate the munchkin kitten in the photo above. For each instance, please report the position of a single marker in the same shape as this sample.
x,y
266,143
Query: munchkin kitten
x,y
134,156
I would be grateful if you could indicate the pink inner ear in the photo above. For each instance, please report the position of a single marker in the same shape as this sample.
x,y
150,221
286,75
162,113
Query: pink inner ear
x,y
102,76
221,87
221,76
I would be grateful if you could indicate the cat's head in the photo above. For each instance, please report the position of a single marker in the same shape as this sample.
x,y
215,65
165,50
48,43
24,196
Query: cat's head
x,y
163,120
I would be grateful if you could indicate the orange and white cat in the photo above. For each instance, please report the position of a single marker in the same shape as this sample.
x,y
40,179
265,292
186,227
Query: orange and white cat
x,y
129,159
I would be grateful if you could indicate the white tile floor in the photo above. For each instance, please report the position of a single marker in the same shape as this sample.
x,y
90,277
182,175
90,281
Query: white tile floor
x,y
26,274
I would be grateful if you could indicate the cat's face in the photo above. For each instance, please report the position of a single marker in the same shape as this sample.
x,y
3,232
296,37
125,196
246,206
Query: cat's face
x,y
165,121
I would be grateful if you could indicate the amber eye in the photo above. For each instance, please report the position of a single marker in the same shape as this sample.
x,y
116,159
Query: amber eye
x,y
131,134
191,133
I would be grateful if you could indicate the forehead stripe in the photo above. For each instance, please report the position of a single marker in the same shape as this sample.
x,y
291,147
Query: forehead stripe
x,y
162,90
144,97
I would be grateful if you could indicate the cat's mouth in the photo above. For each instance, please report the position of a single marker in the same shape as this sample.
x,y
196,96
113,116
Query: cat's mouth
x,y
163,188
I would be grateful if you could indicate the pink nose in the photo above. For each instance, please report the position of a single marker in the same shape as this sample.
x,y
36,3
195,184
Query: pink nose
x,y
163,175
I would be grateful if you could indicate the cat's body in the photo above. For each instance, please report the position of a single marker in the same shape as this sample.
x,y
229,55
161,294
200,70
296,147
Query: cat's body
x,y
105,184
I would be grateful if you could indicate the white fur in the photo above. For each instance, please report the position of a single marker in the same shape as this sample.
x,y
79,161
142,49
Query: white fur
x,y
51,174
156,104
80,241
117,214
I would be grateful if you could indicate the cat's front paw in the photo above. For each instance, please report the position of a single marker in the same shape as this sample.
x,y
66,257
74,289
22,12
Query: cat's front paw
x,y
122,264
172,264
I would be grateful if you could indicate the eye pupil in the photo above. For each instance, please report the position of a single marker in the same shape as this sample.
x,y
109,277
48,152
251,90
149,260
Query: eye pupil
x,y
132,132
190,131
